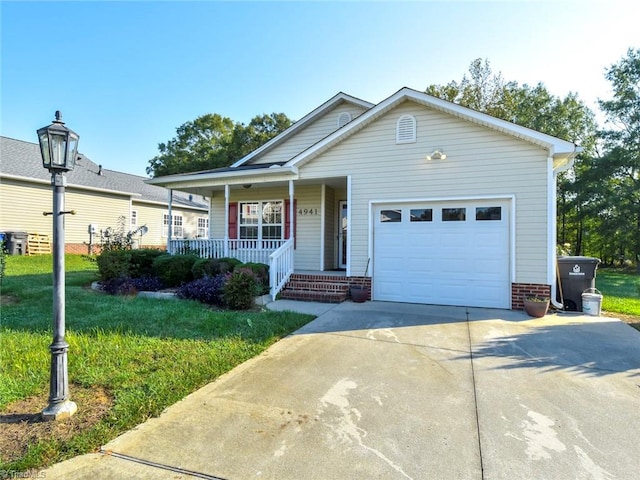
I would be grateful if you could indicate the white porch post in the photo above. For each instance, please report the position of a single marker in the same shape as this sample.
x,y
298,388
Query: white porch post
x,y
226,220
170,226
292,217
323,193
210,229
349,235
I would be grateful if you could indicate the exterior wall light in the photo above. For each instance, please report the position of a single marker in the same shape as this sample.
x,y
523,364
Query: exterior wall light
x,y
437,155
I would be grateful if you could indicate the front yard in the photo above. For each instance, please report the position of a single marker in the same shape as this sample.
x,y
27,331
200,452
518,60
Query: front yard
x,y
129,358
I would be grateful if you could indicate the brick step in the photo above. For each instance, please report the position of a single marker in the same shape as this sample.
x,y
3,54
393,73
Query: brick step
x,y
301,277
315,286
314,296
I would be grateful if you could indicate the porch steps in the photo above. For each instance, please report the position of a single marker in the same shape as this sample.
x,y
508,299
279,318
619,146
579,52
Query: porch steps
x,y
316,288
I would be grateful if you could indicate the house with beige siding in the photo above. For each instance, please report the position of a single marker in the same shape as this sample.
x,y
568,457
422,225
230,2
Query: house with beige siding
x,y
98,196
419,199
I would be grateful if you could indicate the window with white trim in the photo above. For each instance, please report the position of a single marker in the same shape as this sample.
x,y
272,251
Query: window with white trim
x,y
177,230
406,129
134,218
261,220
203,227
343,119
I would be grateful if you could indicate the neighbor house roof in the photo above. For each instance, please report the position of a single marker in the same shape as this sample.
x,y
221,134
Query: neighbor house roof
x,y
21,160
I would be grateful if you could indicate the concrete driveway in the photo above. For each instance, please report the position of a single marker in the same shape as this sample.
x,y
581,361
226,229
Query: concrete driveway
x,y
399,391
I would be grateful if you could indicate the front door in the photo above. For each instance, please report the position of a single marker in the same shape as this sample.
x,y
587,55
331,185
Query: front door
x,y
342,235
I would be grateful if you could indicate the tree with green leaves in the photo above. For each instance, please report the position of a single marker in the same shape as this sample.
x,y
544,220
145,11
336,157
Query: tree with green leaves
x,y
536,108
212,141
619,167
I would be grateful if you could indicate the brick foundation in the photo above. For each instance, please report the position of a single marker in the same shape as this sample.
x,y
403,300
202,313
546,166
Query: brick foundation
x,y
520,290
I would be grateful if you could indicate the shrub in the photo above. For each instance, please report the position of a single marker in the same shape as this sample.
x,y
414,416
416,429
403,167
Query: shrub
x,y
119,286
147,283
131,286
174,270
241,287
118,238
206,290
114,264
142,262
261,271
214,266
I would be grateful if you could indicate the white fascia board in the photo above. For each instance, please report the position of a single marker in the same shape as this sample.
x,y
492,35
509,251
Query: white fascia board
x,y
71,185
558,148
174,181
303,122
165,204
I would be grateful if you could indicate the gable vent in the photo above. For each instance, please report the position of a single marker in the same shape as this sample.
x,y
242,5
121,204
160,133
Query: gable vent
x,y
406,129
343,119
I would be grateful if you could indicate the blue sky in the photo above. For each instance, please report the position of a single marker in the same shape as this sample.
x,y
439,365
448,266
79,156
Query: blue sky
x,y
126,74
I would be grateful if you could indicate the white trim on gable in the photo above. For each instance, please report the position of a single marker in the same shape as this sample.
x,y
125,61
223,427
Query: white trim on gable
x,y
562,151
303,122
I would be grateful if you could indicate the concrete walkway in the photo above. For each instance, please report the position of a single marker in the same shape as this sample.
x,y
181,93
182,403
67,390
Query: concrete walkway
x,y
399,391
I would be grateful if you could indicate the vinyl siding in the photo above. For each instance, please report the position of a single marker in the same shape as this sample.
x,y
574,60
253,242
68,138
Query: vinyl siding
x,y
479,162
309,135
153,215
307,253
23,203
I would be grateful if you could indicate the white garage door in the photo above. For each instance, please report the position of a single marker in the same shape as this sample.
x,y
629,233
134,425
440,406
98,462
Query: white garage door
x,y
453,253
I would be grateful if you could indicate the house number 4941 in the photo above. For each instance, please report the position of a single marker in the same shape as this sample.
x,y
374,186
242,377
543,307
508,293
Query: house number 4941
x,y
308,211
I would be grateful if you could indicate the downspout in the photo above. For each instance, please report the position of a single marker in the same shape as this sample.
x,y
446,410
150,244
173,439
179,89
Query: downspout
x,y
553,229
552,278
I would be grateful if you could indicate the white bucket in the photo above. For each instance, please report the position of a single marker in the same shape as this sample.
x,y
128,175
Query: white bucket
x,y
592,302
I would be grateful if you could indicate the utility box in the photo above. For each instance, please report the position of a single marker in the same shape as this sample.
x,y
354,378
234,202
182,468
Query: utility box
x,y
577,274
16,242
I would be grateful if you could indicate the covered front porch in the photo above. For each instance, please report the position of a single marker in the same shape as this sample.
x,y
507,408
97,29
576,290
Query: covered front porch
x,y
290,225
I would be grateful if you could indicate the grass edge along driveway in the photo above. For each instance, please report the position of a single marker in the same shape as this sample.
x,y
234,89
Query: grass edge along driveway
x,y
136,355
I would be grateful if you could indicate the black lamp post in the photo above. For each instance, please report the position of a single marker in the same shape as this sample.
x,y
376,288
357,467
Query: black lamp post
x,y
59,148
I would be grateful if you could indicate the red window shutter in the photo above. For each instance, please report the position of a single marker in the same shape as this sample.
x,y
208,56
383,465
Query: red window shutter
x,y
287,221
233,220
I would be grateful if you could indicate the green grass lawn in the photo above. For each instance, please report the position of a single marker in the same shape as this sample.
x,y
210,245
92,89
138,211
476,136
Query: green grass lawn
x,y
146,354
620,290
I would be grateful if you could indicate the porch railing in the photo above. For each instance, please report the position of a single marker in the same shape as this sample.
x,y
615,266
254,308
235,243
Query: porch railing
x,y
280,267
254,251
278,254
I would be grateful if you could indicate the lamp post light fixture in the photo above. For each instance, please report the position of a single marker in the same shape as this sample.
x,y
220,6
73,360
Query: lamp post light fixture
x,y
59,148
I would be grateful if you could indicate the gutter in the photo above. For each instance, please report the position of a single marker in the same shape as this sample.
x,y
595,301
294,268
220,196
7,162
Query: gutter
x,y
199,178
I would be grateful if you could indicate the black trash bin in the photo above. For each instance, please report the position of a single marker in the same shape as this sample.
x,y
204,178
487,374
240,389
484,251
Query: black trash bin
x,y
576,275
16,242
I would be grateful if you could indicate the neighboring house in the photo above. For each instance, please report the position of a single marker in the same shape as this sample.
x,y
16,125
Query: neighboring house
x,y
437,203
98,196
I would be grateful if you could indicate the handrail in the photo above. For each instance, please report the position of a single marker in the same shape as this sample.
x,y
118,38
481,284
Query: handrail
x,y
280,267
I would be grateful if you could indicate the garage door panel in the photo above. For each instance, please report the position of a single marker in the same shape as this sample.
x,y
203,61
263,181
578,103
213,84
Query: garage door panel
x,y
448,263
